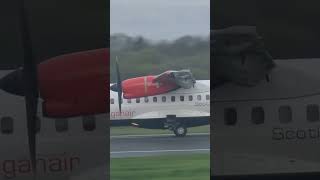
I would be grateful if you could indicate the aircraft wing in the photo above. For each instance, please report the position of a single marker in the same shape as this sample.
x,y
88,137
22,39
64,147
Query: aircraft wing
x,y
239,56
182,78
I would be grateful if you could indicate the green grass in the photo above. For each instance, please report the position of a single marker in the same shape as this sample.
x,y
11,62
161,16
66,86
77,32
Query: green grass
x,y
128,130
167,167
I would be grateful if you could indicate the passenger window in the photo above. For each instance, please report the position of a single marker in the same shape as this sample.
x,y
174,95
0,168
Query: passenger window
x,y
312,113
7,125
230,116
164,98
155,99
257,115
181,98
190,98
285,114
112,101
173,98
208,97
146,99
199,97
89,123
138,100
129,101
62,125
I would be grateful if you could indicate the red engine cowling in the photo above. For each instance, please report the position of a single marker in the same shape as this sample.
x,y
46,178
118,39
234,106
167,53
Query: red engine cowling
x,y
75,84
144,86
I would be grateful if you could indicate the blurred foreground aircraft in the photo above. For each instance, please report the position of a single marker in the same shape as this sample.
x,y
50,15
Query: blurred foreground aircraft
x,y
266,114
54,111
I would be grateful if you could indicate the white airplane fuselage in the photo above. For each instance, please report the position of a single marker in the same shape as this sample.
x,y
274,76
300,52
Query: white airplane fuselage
x,y
190,106
273,127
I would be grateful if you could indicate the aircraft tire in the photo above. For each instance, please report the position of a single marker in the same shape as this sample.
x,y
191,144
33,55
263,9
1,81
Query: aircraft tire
x,y
180,131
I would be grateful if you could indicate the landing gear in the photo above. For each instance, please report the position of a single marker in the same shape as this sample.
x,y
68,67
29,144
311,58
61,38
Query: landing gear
x,y
176,126
180,131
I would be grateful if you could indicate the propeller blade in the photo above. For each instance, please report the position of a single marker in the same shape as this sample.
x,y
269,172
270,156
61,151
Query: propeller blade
x,y
119,85
31,87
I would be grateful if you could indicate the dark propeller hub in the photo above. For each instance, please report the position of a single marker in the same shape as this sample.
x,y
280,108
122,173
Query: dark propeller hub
x,y
114,88
13,83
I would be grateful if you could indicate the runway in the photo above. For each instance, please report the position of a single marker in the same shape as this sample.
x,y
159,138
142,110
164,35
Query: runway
x,y
151,145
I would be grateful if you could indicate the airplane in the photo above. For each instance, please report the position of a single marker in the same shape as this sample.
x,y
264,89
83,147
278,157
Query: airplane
x,y
173,100
265,111
72,110
67,116
64,144
49,120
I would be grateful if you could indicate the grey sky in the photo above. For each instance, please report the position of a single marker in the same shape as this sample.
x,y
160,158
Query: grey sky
x,y
160,19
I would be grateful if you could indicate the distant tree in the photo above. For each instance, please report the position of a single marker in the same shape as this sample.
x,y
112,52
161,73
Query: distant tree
x,y
139,57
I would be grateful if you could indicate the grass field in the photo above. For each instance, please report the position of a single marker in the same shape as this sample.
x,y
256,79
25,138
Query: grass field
x,y
165,167
128,130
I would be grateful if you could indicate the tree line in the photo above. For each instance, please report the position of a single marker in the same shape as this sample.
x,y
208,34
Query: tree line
x,y
139,56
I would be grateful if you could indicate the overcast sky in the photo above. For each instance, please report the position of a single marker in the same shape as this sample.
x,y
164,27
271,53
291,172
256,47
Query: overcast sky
x,y
160,19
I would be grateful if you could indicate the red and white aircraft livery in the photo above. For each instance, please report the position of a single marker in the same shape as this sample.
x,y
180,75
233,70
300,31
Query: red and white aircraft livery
x,y
72,117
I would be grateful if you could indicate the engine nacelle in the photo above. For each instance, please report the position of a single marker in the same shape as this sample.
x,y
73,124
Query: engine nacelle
x,y
145,86
75,84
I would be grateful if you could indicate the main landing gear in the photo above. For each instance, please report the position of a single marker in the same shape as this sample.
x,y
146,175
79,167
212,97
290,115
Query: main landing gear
x,y
177,127
180,131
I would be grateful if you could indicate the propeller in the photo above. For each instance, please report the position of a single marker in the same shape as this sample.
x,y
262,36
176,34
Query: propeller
x,y
119,84
30,83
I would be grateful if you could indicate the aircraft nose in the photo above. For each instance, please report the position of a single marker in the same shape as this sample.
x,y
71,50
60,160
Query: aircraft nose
x,y
13,83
